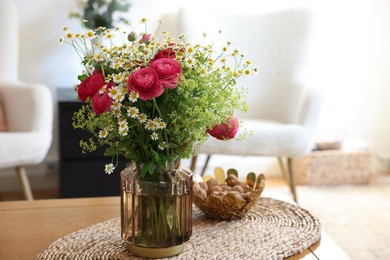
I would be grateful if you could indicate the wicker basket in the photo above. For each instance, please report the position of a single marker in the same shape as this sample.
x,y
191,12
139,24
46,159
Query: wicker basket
x,y
333,167
232,200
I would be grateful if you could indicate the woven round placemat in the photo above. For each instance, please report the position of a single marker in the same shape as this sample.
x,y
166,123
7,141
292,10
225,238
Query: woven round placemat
x,y
272,229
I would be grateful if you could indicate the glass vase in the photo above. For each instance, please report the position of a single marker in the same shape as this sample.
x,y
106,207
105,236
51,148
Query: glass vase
x,y
156,210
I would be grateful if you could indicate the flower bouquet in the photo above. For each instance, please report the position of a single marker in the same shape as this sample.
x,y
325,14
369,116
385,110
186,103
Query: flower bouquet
x,y
154,100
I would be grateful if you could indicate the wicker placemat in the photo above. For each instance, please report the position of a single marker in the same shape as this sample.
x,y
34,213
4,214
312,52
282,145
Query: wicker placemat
x,y
272,229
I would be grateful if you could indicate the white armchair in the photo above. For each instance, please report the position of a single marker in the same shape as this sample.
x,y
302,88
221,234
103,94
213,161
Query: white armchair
x,y
28,107
283,113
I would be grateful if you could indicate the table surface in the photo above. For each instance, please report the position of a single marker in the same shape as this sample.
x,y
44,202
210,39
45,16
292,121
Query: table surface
x,y
29,227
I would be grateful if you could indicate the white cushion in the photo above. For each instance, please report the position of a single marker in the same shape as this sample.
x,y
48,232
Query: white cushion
x,y
29,112
23,148
269,138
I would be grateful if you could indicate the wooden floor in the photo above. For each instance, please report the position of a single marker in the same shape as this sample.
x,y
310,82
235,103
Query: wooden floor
x,y
54,193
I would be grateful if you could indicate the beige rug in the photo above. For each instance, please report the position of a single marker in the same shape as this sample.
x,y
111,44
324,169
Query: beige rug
x,y
357,217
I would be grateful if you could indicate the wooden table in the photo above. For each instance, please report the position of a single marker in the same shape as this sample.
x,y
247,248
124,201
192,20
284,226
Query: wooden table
x,y
29,227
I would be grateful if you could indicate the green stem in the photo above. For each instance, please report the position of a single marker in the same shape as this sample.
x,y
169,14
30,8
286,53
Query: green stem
x,y
158,28
161,115
103,72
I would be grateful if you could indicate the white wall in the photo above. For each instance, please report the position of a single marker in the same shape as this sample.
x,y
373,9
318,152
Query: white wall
x,y
350,59
347,61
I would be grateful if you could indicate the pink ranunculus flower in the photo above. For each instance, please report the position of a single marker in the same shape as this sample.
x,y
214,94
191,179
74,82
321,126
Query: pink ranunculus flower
x,y
89,86
146,38
226,130
167,53
101,102
169,71
146,83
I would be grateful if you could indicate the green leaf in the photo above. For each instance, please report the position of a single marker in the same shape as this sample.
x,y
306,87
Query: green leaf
x,y
82,77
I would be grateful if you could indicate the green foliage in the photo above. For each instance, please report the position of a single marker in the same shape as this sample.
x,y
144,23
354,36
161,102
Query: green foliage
x,y
100,13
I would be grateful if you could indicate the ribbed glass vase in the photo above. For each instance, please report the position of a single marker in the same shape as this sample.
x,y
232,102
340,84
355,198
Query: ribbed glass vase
x,y
156,210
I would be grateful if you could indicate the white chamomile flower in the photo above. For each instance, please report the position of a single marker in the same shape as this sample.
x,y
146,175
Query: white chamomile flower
x,y
117,78
159,123
190,49
189,61
109,168
235,53
117,64
116,113
247,72
97,44
90,34
150,125
109,36
120,97
203,71
113,92
123,132
99,57
133,96
103,133
142,118
123,88
133,112
115,105
154,136
69,35
102,89
123,129
161,146
122,121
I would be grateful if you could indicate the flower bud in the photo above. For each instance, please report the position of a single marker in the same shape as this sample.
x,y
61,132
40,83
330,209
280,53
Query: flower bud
x,y
146,38
225,131
131,37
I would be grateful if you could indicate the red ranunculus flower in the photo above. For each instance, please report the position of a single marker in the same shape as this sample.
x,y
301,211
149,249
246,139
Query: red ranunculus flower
x,y
167,53
146,82
89,86
169,71
225,131
101,103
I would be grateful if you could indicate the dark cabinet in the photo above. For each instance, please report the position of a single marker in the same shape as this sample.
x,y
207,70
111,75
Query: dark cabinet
x,y
81,175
